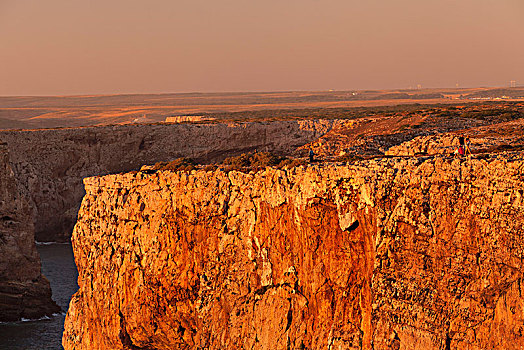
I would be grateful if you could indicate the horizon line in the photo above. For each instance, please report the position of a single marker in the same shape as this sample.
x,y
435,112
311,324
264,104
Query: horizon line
x,y
88,95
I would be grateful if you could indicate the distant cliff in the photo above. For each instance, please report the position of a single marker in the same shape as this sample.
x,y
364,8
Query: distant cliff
x,y
24,292
423,253
50,164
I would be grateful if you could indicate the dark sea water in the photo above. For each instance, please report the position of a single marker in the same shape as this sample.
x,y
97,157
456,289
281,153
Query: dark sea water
x,y
59,267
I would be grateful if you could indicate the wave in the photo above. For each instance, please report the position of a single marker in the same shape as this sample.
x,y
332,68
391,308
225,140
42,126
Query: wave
x,y
50,243
43,318
24,320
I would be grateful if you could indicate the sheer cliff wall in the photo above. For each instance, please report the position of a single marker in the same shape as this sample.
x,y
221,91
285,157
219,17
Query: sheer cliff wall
x,y
388,254
24,292
50,164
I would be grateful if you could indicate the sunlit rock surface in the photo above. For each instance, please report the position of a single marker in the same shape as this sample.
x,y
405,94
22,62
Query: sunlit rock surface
x,y
419,253
50,164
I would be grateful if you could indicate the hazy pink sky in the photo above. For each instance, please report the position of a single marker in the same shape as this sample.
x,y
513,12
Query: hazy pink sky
x,y
50,47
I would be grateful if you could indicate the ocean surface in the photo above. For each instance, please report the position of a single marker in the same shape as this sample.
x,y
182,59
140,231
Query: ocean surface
x,y
59,267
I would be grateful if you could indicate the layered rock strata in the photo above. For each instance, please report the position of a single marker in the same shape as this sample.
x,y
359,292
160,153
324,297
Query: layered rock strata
x,y
24,292
420,253
50,164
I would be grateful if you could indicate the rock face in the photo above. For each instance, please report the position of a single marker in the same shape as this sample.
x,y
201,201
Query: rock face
x,y
188,118
24,292
487,139
420,253
50,164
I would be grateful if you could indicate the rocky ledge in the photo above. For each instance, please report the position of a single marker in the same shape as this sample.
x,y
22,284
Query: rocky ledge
x,y
50,164
418,253
24,291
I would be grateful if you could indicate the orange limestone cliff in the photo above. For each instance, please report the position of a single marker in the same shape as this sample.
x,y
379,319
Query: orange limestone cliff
x,y
50,164
420,253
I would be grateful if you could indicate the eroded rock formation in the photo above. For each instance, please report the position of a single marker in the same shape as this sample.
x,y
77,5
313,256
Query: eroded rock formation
x,y
24,292
485,139
420,253
50,164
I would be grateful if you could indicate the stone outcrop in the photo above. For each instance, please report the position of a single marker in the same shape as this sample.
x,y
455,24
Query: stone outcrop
x,y
188,119
50,164
485,139
24,292
418,253
424,130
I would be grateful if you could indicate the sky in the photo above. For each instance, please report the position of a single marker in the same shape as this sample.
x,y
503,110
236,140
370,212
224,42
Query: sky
x,y
69,47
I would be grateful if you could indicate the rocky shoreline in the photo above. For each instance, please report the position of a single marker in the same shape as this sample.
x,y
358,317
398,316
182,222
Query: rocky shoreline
x,y
24,291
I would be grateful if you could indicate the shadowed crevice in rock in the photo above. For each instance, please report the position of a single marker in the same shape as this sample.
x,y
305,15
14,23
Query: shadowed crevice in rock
x,y
353,226
125,339
448,342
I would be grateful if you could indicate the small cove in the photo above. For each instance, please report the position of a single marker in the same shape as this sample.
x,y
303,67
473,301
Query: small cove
x,y
59,267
